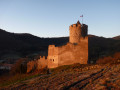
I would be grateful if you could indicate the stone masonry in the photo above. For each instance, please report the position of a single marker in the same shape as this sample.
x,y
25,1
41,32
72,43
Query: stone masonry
x,y
75,51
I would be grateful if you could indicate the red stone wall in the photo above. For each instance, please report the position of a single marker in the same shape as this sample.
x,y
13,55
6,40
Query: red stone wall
x,y
31,66
69,54
76,51
52,56
42,63
37,64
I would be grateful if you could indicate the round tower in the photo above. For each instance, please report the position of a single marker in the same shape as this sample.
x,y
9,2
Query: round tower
x,y
75,33
84,30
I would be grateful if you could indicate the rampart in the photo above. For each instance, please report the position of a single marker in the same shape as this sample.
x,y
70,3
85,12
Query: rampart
x,y
68,54
37,64
52,56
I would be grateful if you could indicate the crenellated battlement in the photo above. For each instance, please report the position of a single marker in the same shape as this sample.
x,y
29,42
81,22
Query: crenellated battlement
x,y
75,26
83,38
77,31
51,45
43,57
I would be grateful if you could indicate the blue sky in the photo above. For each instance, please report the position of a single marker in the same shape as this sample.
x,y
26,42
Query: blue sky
x,y
52,18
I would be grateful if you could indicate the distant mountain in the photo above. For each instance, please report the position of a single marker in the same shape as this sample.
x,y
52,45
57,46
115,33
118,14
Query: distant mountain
x,y
19,40
100,47
26,44
117,37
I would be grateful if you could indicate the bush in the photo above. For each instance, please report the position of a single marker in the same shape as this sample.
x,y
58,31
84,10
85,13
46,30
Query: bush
x,y
109,59
104,60
19,67
117,55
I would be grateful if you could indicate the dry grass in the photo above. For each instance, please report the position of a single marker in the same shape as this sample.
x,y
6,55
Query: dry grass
x,y
72,77
8,80
15,78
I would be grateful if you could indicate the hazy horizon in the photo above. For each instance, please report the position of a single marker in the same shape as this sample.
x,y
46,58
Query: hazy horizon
x,y
53,18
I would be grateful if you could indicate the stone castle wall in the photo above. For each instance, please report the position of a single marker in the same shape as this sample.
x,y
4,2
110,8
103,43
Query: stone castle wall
x,y
75,51
37,64
70,53
52,56
31,66
42,62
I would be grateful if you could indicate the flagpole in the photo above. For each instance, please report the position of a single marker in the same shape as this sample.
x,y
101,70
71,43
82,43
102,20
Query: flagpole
x,y
82,19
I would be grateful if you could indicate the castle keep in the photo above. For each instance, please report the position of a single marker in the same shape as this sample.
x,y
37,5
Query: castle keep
x,y
75,51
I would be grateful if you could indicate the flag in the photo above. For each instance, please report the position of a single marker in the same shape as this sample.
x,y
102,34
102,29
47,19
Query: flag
x,y
81,16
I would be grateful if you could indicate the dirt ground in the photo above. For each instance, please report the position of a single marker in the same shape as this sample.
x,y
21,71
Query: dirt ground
x,y
105,77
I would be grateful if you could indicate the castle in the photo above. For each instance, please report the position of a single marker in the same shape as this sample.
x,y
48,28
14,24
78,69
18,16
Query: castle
x,y
75,51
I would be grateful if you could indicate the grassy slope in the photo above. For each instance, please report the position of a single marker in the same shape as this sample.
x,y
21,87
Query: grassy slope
x,y
75,77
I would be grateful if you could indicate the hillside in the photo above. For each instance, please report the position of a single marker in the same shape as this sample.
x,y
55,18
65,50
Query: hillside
x,y
25,44
22,45
103,75
117,37
101,47
73,77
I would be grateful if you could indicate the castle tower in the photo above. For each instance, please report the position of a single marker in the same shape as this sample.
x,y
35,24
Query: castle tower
x,y
84,30
71,52
77,31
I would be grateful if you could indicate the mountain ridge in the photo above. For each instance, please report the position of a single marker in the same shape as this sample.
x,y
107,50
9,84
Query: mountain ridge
x,y
25,44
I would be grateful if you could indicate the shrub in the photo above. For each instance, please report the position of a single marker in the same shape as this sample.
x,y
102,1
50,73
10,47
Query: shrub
x,y
109,59
104,60
117,55
19,67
